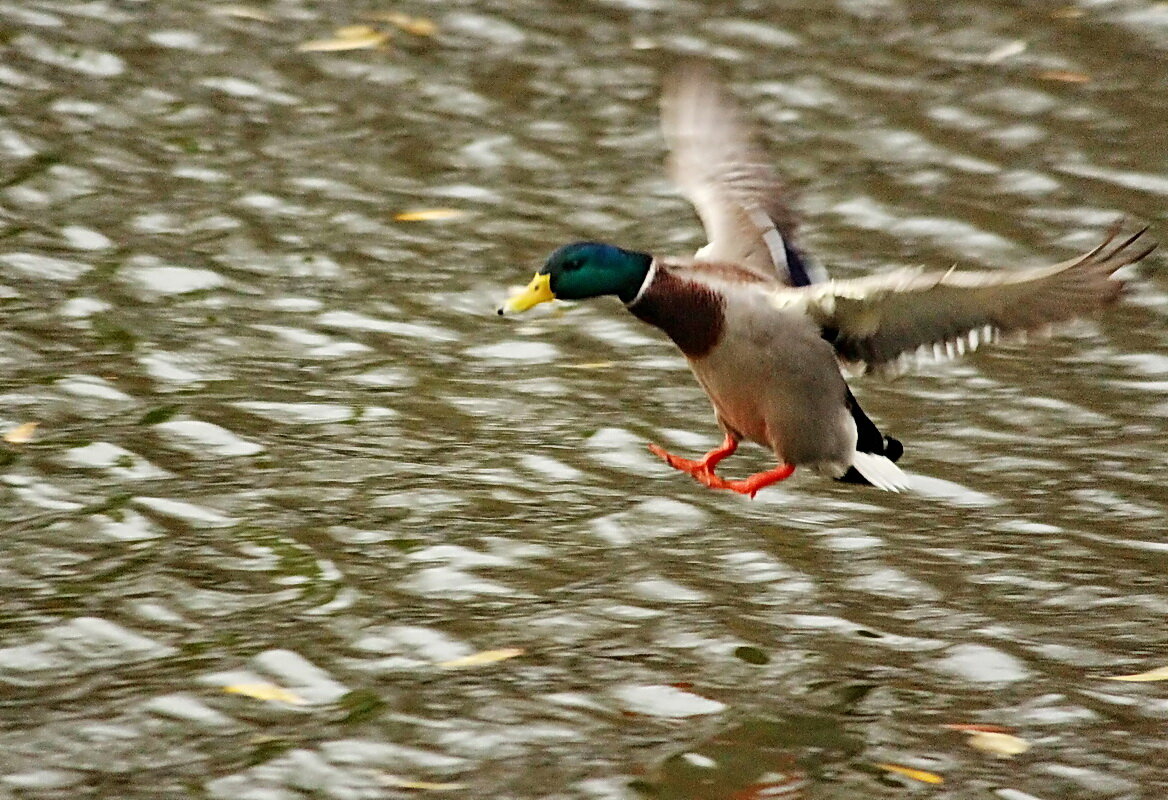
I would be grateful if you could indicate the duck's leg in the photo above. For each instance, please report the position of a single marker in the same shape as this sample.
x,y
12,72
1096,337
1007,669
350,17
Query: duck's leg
x,y
703,470
758,480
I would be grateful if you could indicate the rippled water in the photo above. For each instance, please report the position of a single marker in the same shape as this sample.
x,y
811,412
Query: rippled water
x,y
284,440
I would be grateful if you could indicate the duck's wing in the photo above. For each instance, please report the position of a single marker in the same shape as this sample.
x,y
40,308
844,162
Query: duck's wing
x,y
719,167
874,322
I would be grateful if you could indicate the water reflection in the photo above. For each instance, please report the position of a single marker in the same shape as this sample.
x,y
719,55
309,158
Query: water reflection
x,y
284,440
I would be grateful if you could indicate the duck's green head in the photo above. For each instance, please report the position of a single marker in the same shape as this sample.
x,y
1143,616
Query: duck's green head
x,y
582,270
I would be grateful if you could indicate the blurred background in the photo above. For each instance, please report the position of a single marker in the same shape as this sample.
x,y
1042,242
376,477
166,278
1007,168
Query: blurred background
x,y
288,512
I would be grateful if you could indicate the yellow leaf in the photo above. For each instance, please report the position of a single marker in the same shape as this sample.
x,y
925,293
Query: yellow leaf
x,y
973,727
22,433
357,32
1064,75
916,774
243,12
1008,50
266,691
351,37
590,365
1158,674
1001,744
479,659
418,26
401,783
429,215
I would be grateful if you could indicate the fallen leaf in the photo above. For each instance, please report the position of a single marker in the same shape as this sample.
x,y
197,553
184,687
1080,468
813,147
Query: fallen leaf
x,y
418,26
1158,674
22,433
357,32
1001,744
351,37
973,727
243,12
479,659
1064,75
429,215
916,774
775,786
1008,50
429,786
590,365
1068,12
265,691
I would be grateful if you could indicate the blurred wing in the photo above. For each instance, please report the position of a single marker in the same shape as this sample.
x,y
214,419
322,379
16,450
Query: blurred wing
x,y
873,321
716,163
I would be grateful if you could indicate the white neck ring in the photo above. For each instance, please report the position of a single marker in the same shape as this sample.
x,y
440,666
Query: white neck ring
x,y
649,276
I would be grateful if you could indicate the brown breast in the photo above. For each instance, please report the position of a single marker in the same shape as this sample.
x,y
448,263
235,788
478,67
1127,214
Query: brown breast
x,y
689,311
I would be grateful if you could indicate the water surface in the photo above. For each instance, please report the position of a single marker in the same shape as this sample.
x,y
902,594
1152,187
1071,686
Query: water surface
x,y
284,440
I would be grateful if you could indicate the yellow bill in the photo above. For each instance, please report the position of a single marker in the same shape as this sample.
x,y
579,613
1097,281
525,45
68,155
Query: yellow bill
x,y
538,291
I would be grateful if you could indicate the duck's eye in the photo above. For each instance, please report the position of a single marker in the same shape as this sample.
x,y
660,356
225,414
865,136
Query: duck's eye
x,y
573,264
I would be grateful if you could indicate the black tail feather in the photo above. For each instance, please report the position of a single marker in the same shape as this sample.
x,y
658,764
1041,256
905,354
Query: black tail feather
x,y
869,440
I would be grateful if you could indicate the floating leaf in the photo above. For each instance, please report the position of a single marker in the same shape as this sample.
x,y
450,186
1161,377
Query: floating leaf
x,y
358,32
427,786
1068,12
479,659
1158,674
974,727
22,433
243,12
266,691
351,37
429,215
362,705
418,26
157,415
1008,50
786,785
1001,744
916,774
264,749
752,655
590,365
774,786
1064,75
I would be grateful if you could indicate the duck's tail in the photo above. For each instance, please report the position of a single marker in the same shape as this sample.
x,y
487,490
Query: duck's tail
x,y
874,463
875,470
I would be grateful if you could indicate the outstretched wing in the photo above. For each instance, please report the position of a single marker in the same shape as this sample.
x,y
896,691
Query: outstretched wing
x,y
873,321
718,166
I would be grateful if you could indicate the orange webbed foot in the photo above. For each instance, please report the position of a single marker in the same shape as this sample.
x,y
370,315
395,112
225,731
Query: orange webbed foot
x,y
759,480
703,471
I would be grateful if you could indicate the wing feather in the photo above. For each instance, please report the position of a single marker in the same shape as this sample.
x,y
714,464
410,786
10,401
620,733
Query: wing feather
x,y
719,167
874,321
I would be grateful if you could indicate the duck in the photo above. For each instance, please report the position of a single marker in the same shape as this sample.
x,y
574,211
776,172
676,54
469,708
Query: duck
x,y
768,336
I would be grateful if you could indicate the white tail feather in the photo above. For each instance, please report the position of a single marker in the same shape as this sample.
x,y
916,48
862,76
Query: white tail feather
x,y
880,471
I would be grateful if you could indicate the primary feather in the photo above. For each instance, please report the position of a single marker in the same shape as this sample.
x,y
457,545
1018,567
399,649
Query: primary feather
x,y
716,162
872,321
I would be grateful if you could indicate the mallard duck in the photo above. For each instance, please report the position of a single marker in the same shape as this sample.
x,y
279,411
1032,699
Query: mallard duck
x,y
766,336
